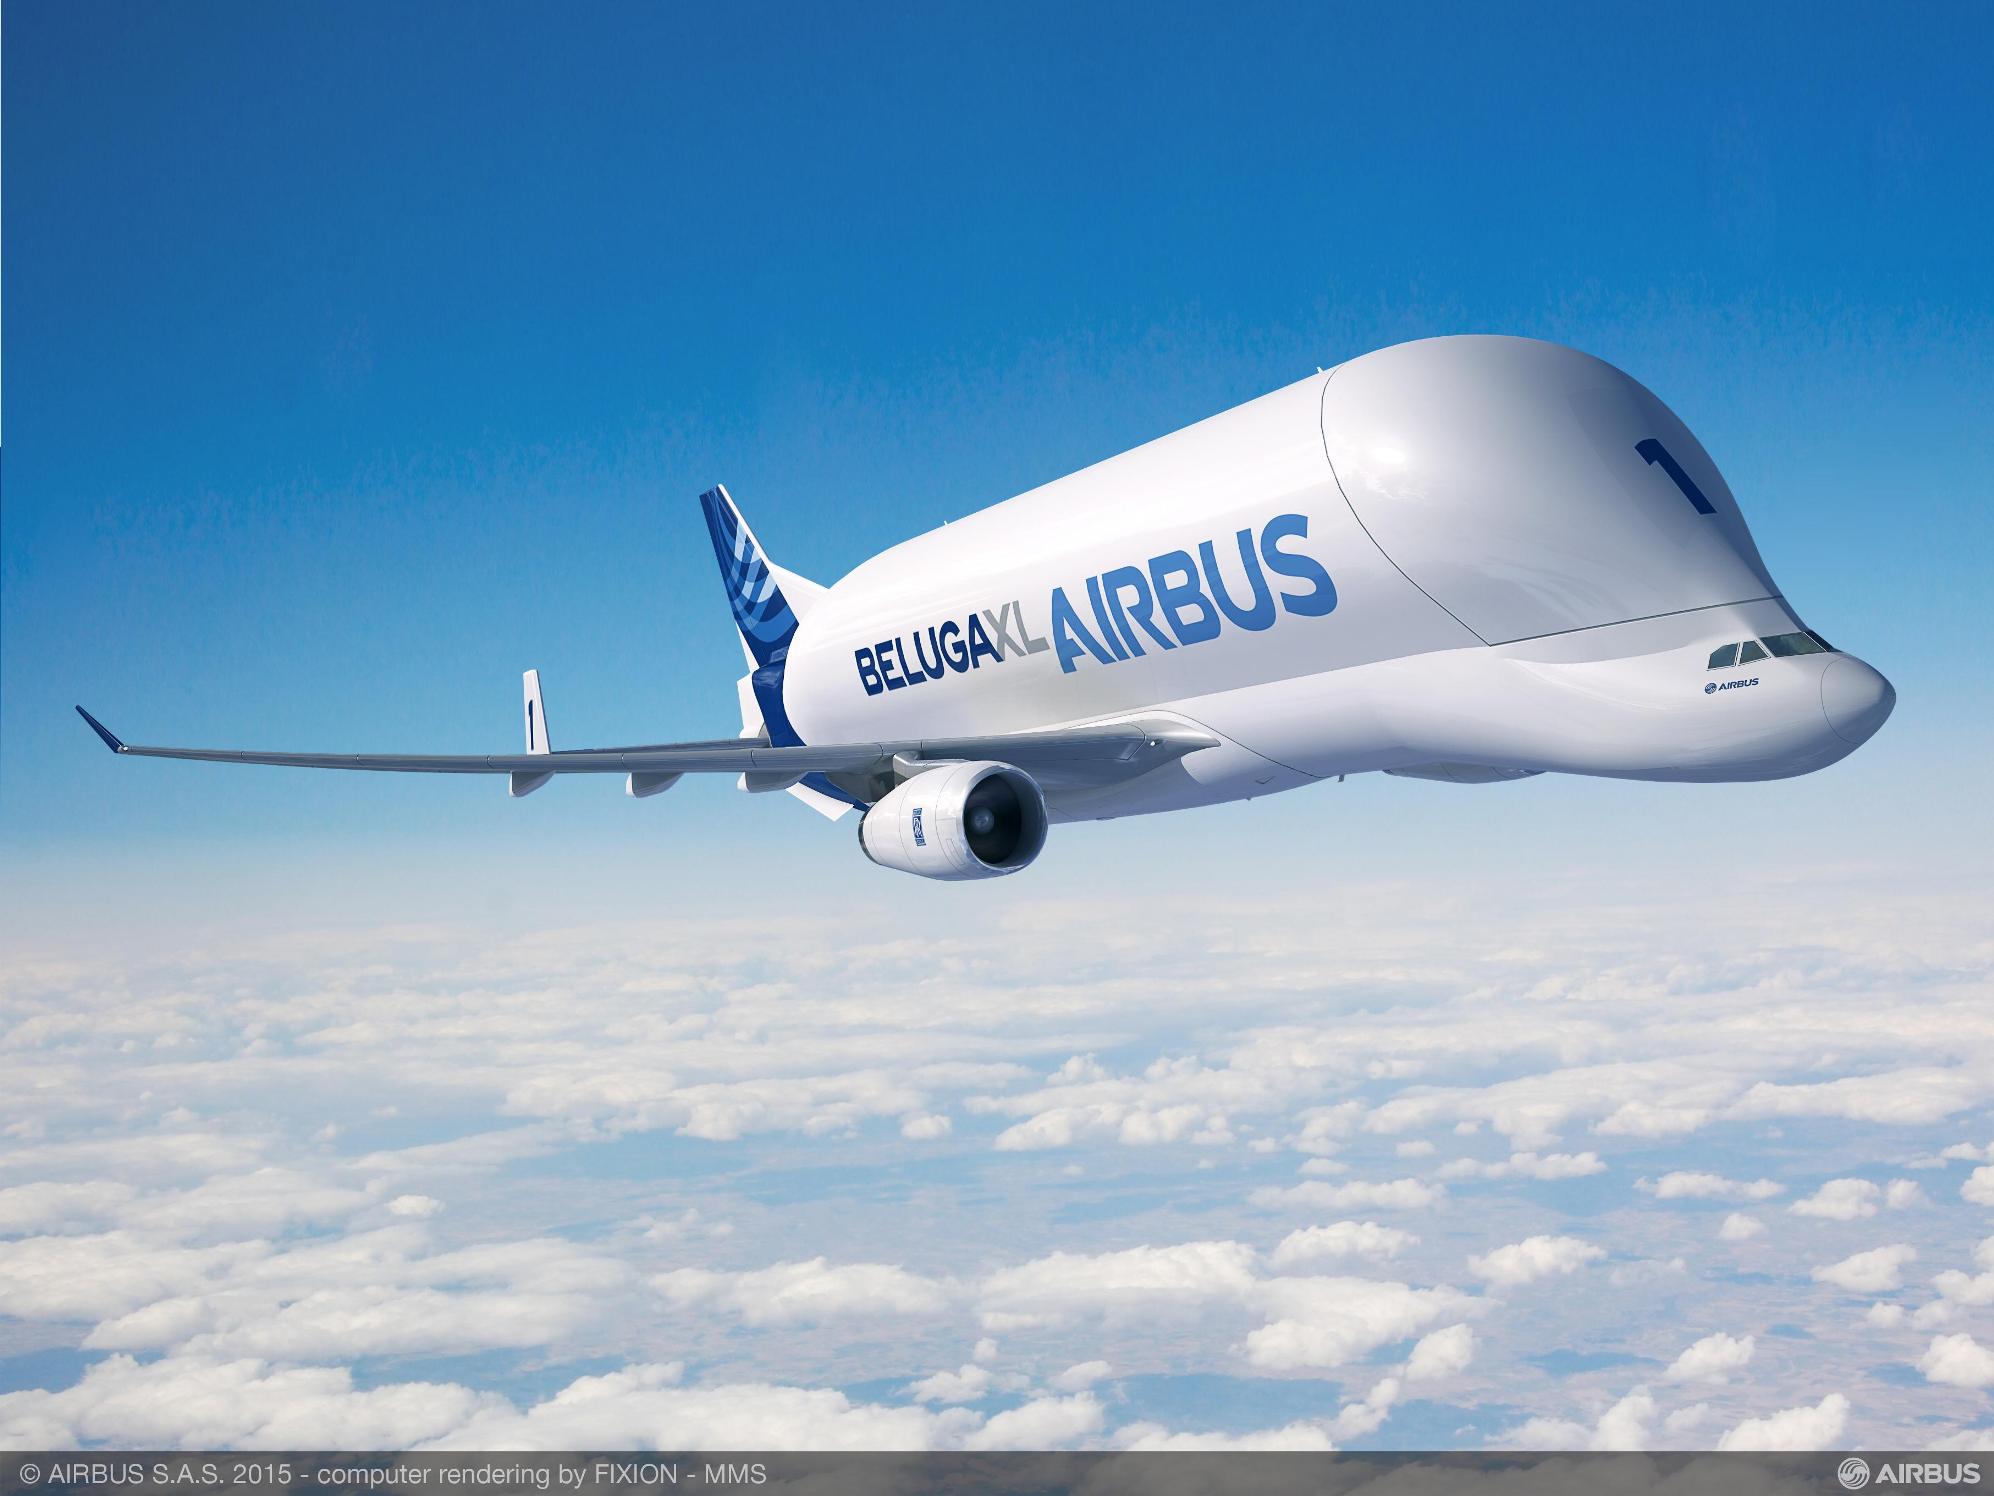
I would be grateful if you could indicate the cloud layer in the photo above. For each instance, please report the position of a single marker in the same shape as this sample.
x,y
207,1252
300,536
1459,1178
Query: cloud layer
x,y
1553,1181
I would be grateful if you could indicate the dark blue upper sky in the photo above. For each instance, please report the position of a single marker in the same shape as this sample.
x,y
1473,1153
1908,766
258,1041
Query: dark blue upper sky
x,y
360,356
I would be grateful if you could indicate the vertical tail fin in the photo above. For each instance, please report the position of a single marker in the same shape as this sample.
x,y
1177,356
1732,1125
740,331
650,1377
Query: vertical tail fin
x,y
768,603
755,589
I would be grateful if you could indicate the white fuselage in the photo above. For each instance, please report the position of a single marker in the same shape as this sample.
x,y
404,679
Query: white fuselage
x,y
1451,558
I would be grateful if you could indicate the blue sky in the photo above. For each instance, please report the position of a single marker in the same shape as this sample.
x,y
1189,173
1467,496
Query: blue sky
x,y
360,357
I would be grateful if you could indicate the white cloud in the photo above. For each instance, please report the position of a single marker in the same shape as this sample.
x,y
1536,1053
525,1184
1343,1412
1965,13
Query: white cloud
x,y
1366,1239
1971,1290
642,1407
1623,1426
805,1292
1711,1359
1322,1128
1738,1227
258,1202
200,1402
686,1225
1818,1427
1329,1322
414,1206
1397,1194
1148,1438
1309,1321
1684,1422
730,1034
1685,1185
1044,1423
1901,1194
1532,1258
47,1207
1079,1377
1174,1099
1884,1316
1544,1433
1965,1439
384,1291
1876,1271
1840,1200
1355,1420
1979,1187
1444,1353
1958,1361
112,1273
1063,1285
1909,1097
967,1384
1644,1119
1527,1166
925,1127
1931,1316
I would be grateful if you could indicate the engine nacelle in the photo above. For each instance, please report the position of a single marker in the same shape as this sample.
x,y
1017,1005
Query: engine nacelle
x,y
958,821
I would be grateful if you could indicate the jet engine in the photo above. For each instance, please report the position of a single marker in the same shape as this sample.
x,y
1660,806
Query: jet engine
x,y
958,821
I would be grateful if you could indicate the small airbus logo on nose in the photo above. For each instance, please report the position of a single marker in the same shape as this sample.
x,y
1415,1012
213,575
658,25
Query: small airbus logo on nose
x,y
1712,686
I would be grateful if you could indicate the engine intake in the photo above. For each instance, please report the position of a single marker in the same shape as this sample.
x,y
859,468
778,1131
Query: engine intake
x,y
958,821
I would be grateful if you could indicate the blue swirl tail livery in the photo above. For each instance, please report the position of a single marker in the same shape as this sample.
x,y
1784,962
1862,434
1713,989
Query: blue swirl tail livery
x,y
768,602
1467,560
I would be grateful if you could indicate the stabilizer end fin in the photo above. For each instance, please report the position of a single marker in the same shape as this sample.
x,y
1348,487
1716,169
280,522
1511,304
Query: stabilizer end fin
x,y
111,739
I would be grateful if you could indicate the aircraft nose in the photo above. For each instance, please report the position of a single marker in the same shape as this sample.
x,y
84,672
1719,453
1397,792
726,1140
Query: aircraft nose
x,y
1855,699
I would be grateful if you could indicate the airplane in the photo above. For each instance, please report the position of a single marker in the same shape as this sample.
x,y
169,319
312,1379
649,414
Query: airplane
x,y
1465,559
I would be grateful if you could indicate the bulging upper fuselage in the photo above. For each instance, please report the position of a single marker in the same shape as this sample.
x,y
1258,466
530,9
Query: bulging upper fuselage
x,y
1466,558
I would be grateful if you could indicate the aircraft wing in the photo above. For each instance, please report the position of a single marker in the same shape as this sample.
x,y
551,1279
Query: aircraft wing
x,y
1088,754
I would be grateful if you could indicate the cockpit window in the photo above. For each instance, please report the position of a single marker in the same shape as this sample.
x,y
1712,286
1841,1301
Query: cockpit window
x,y
1779,646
